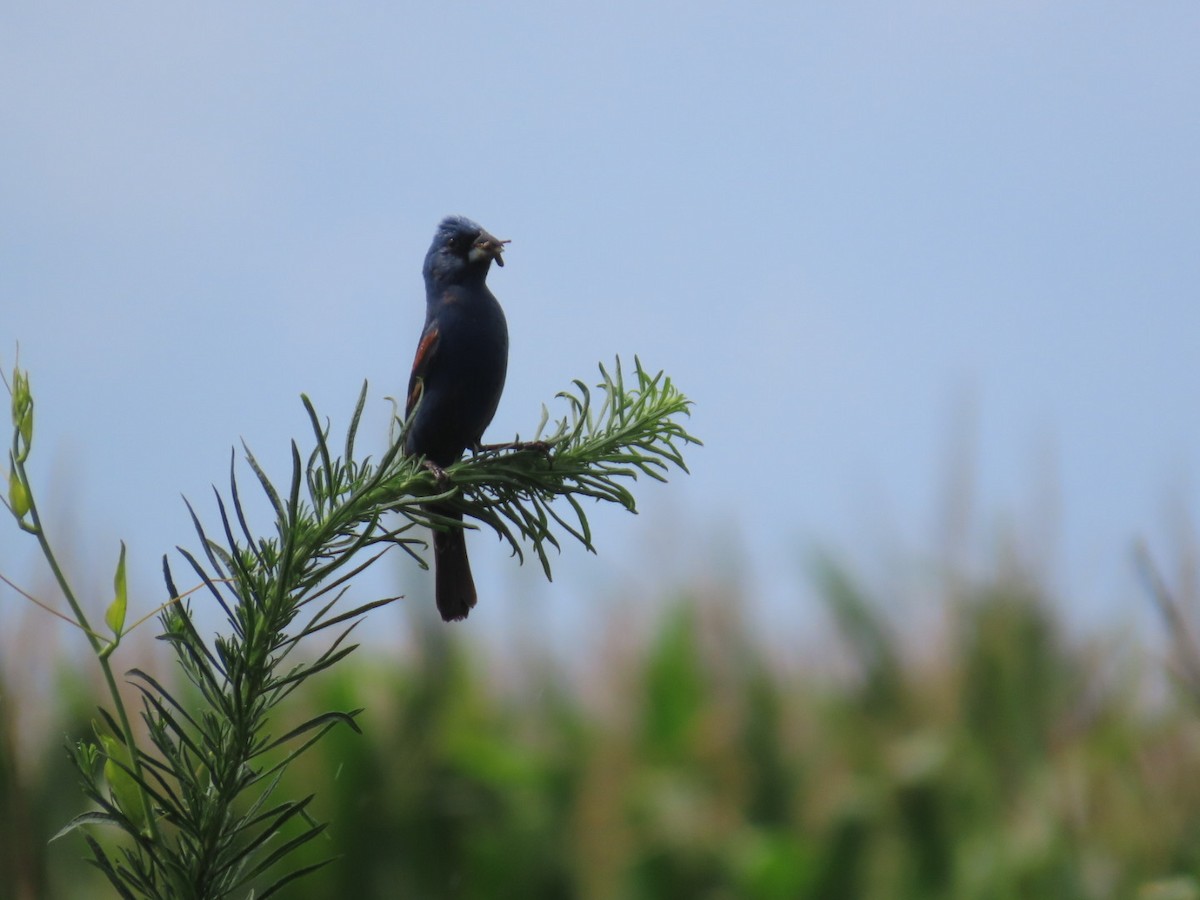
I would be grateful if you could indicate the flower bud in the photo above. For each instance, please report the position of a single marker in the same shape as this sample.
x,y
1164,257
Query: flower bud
x,y
18,495
22,406
122,786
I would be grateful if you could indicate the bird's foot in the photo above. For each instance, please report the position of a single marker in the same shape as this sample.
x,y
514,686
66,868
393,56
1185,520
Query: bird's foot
x,y
439,474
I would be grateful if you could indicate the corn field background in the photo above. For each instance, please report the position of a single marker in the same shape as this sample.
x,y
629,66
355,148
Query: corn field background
x,y
985,753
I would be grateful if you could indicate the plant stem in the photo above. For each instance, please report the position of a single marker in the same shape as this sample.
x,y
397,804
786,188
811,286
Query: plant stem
x,y
35,528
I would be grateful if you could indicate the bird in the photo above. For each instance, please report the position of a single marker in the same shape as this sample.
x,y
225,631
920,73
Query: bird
x,y
457,379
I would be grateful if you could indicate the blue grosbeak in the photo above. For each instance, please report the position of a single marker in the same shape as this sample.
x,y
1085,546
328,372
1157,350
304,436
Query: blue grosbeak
x,y
457,379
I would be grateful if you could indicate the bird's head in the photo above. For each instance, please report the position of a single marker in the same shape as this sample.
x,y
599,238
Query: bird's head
x,y
461,251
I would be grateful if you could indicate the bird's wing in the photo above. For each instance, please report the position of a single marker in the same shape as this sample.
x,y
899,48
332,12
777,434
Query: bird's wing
x,y
425,351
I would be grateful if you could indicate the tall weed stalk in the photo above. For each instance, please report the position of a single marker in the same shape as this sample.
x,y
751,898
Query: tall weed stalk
x,y
191,805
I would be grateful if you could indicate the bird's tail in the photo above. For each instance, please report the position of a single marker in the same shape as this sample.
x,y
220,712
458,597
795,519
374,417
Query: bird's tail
x,y
454,587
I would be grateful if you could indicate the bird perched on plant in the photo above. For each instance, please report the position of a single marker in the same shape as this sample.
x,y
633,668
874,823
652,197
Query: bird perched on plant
x,y
457,378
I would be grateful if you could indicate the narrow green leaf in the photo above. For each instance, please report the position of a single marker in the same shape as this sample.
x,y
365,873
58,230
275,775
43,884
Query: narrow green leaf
x,y
268,488
272,889
352,431
101,861
321,435
87,818
114,616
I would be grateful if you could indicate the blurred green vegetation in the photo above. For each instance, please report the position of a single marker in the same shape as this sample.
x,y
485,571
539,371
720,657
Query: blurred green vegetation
x,y
990,756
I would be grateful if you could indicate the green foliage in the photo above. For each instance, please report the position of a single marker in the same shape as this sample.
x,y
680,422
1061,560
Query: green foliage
x,y
200,806
719,774
774,781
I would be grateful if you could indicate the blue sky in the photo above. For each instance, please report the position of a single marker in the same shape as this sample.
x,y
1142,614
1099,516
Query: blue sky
x,y
859,236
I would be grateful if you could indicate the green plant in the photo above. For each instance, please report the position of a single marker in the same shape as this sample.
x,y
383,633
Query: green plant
x,y
196,803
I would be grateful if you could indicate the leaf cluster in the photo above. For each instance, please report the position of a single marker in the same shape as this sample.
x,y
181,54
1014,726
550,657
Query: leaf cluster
x,y
591,453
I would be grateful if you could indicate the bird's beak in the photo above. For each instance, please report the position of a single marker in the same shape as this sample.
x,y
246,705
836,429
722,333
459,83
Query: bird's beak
x,y
488,247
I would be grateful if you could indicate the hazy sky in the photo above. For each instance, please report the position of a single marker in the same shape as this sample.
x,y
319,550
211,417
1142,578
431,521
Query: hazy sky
x,y
859,236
